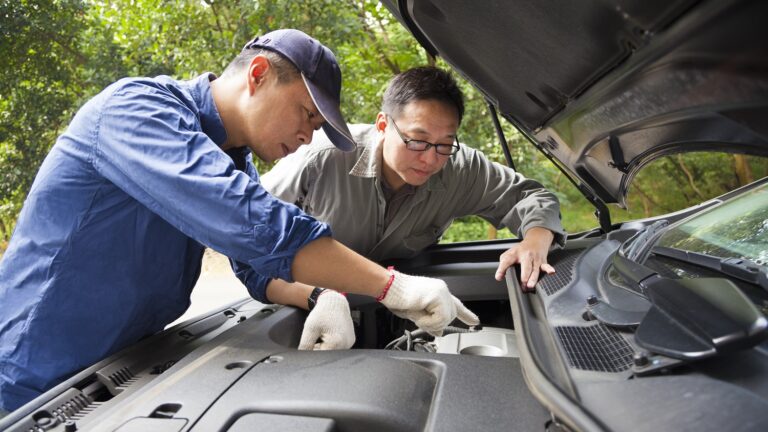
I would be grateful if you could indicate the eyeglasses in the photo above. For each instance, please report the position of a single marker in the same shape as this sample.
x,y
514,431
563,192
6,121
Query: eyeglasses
x,y
418,145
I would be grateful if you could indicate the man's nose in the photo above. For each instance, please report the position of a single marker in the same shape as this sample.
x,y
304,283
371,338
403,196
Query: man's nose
x,y
430,156
305,136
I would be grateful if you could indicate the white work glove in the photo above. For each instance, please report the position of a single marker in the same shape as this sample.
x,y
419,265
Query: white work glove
x,y
425,301
329,321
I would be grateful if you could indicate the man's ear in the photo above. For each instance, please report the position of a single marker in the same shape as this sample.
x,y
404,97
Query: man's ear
x,y
381,122
257,71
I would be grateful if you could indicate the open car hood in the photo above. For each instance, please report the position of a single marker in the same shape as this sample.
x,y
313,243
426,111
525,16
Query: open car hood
x,y
605,87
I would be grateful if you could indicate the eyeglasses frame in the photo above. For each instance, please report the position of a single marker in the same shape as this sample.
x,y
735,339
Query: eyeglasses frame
x,y
454,147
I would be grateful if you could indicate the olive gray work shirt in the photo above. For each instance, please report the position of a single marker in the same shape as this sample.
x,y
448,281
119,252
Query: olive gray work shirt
x,y
345,191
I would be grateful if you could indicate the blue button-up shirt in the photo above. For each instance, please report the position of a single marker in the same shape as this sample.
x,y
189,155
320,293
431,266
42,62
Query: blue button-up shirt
x,y
110,239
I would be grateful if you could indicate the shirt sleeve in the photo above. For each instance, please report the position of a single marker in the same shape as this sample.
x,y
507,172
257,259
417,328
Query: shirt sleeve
x,y
255,283
149,144
505,197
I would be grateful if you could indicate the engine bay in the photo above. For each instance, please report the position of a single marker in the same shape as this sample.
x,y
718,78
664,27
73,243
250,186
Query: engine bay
x,y
238,367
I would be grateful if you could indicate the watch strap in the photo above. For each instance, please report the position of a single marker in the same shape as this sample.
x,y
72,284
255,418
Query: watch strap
x,y
312,299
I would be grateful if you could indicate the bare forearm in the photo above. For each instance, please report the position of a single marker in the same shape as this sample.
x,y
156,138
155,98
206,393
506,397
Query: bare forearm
x,y
286,293
329,264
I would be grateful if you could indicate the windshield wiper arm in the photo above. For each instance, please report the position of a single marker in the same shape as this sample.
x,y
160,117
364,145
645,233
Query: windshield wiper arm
x,y
636,247
740,268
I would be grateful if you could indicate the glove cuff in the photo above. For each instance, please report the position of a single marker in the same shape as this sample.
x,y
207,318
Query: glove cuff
x,y
331,297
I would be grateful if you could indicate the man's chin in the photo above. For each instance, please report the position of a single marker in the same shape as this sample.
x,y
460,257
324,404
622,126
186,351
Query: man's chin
x,y
264,158
416,182
417,179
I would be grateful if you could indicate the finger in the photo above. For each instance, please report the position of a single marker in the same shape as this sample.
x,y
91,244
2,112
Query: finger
x,y
464,314
308,338
534,277
349,342
548,268
410,315
347,336
434,323
525,271
506,260
328,342
501,271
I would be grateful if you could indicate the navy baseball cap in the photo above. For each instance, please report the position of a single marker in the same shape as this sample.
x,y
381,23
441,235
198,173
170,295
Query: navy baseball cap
x,y
321,75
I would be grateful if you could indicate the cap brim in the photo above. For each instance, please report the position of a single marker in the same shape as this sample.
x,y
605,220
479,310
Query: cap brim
x,y
335,127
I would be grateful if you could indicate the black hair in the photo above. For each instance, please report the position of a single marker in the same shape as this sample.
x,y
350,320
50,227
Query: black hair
x,y
422,83
286,71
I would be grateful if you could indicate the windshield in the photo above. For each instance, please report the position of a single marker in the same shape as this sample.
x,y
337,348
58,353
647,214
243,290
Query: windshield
x,y
737,228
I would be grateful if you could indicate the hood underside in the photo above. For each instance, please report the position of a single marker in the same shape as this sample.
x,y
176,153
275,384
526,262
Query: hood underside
x,y
605,87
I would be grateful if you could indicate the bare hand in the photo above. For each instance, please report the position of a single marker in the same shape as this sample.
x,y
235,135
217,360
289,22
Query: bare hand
x,y
531,254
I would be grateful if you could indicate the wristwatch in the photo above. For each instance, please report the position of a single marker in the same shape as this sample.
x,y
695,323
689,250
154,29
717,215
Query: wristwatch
x,y
312,299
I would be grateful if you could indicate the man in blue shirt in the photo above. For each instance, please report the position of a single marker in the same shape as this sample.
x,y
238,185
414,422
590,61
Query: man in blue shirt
x,y
150,172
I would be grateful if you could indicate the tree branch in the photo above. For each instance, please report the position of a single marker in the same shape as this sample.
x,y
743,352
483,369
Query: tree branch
x,y
688,174
80,58
215,16
392,66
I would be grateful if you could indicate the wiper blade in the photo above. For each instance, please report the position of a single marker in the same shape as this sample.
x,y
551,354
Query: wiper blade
x,y
629,257
739,268
636,248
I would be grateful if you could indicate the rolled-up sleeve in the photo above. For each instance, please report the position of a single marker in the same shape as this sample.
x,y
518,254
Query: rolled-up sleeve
x,y
255,283
160,157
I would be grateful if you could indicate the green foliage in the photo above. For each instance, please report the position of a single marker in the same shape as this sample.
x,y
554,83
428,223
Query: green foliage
x,y
473,228
59,53
41,56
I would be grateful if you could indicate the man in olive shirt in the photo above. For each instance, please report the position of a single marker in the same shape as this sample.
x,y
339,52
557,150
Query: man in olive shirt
x,y
400,190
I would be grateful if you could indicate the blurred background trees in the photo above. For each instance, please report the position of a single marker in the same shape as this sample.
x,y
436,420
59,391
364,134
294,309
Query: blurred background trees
x,y
56,54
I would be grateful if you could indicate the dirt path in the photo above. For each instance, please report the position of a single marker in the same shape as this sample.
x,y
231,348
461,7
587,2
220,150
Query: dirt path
x,y
214,262
216,287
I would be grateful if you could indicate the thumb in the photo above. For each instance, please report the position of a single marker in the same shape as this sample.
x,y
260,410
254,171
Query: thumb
x,y
309,337
464,314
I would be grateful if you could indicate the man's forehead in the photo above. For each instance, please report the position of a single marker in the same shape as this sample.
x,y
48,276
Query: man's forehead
x,y
423,110
308,102
422,123
417,127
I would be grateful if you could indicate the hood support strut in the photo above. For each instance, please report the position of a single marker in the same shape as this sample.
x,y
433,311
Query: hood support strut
x,y
500,134
602,213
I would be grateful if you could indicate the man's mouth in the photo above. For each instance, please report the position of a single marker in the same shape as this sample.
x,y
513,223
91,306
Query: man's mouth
x,y
286,151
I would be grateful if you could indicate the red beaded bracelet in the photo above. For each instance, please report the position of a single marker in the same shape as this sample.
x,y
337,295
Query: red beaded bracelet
x,y
389,284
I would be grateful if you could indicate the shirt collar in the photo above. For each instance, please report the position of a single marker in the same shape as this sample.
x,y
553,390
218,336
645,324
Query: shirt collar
x,y
370,160
368,163
210,121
